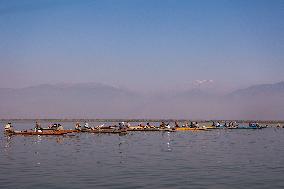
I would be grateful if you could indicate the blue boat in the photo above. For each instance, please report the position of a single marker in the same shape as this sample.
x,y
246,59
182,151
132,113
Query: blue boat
x,y
251,126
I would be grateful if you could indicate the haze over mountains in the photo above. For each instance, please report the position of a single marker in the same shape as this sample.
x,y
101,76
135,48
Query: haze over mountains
x,y
94,100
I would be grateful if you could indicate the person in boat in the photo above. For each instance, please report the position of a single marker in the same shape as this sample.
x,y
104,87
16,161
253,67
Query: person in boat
x,y
148,125
59,127
196,125
38,127
9,127
176,124
77,126
186,124
121,125
225,125
86,125
163,125
213,124
168,126
54,126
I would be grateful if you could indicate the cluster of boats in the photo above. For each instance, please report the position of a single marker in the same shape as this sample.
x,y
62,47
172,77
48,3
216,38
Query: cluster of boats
x,y
123,128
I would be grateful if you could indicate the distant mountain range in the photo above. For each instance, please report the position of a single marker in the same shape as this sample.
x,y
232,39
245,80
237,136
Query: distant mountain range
x,y
264,101
264,89
95,100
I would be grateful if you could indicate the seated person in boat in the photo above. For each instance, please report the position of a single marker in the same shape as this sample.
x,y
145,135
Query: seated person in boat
x,y
226,124
86,125
196,124
163,125
54,126
148,125
121,125
59,127
77,126
168,126
176,124
186,124
9,127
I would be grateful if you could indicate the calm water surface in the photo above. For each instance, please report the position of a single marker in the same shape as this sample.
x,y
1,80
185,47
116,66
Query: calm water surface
x,y
214,159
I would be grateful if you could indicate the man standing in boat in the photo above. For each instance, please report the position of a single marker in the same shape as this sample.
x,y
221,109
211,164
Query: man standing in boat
x,y
38,127
8,127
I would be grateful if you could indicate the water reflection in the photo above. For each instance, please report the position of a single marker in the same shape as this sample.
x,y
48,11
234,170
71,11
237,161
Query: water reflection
x,y
122,145
167,136
219,158
6,146
7,142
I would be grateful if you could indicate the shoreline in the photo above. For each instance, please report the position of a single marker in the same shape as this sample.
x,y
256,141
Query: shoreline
x,y
143,120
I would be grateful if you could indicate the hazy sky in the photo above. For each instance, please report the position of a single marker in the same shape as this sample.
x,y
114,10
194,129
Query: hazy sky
x,y
140,44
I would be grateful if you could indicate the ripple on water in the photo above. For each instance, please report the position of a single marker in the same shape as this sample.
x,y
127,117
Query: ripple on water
x,y
215,159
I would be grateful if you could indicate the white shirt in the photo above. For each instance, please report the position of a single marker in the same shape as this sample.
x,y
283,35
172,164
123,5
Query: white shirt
x,y
8,126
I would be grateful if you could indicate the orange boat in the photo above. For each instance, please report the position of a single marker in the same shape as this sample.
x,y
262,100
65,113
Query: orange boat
x,y
190,129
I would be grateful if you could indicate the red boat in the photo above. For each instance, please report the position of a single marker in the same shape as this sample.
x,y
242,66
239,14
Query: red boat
x,y
30,132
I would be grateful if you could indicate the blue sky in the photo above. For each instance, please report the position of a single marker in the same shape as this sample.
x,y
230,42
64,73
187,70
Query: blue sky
x,y
140,44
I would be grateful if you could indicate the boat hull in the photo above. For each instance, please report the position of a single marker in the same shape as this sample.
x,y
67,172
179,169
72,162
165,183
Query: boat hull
x,y
190,129
149,129
36,133
110,131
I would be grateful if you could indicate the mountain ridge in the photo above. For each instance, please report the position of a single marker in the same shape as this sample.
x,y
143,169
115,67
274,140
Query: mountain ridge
x,y
99,100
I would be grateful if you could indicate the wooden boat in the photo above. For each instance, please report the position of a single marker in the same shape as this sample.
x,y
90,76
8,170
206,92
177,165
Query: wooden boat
x,y
151,128
212,127
190,129
246,127
64,130
221,127
30,132
250,126
105,130
167,129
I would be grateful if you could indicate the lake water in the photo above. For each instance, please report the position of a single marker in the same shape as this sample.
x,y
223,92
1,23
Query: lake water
x,y
214,159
